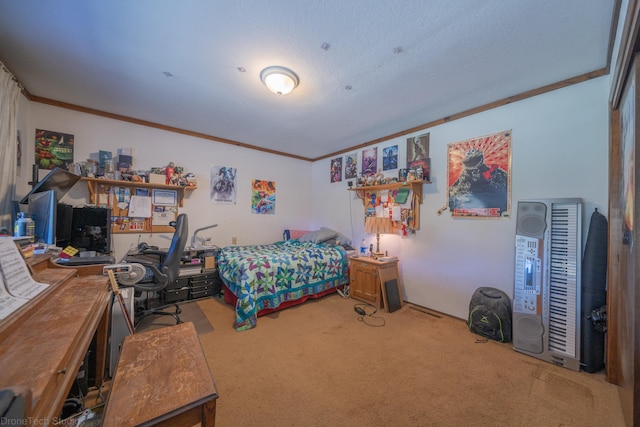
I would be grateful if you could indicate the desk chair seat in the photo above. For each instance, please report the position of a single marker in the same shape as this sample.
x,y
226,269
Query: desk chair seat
x,y
163,270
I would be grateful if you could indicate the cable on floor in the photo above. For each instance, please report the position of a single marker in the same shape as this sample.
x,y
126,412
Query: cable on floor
x,y
364,317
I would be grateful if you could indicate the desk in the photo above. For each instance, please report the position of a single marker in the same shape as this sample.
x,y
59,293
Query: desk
x,y
162,378
43,344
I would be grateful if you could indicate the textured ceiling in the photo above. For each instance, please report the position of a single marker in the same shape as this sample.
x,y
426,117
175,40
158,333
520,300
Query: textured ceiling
x,y
386,66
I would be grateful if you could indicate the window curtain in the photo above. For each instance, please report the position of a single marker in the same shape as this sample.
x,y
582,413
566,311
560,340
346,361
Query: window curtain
x,y
9,98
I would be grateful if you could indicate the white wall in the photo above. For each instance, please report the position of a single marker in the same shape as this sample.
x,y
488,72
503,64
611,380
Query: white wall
x,y
153,147
559,149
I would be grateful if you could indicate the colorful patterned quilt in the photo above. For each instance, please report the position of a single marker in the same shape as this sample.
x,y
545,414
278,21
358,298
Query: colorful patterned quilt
x,y
264,276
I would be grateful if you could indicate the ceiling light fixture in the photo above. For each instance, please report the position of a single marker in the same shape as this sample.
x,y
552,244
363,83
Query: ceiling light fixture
x,y
279,80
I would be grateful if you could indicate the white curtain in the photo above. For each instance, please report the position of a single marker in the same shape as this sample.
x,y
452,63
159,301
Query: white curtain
x,y
9,98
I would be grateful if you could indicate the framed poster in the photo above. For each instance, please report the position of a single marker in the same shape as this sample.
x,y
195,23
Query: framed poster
x,y
479,176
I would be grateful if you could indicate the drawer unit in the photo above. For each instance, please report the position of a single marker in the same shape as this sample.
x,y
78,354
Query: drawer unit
x,y
179,283
200,293
175,295
194,286
209,280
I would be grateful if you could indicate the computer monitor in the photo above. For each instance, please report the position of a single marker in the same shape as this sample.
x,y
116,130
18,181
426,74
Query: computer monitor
x,y
91,229
43,211
58,180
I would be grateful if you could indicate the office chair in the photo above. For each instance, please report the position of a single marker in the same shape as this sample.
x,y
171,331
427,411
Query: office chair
x,y
163,272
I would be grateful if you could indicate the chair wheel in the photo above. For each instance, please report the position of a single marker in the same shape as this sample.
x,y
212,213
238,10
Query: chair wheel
x,y
178,310
179,322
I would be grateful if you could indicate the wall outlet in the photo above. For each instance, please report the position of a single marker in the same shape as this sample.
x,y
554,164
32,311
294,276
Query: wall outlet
x,y
234,240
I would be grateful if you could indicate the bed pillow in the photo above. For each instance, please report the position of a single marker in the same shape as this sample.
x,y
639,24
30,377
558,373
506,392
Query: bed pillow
x,y
341,238
319,236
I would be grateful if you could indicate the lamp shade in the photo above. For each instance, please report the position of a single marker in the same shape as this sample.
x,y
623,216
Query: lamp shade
x,y
279,80
378,225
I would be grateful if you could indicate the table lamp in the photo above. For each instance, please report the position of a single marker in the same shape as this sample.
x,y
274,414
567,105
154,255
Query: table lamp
x,y
378,225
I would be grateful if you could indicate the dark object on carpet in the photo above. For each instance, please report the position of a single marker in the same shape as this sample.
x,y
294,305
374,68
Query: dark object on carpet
x,y
490,314
191,312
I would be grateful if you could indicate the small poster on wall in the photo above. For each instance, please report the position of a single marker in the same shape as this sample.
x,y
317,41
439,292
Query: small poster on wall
x,y
418,155
370,161
263,197
350,166
54,149
336,169
479,176
223,185
390,158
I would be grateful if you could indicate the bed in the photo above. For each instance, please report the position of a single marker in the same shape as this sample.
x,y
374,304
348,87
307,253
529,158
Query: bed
x,y
261,279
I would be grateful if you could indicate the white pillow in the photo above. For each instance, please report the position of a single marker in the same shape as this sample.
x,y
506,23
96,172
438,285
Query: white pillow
x,y
319,236
341,238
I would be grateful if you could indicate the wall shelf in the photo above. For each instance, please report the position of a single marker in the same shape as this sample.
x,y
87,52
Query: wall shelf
x,y
410,217
93,184
102,192
415,185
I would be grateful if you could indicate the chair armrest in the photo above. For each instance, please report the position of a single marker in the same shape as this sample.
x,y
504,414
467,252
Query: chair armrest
x,y
160,278
154,252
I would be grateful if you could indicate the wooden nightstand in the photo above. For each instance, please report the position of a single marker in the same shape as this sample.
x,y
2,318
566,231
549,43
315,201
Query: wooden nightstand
x,y
367,279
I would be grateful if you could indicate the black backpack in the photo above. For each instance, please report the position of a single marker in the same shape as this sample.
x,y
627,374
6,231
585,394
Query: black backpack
x,y
490,314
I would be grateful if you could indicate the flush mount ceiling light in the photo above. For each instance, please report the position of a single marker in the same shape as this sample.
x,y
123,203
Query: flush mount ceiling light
x,y
279,80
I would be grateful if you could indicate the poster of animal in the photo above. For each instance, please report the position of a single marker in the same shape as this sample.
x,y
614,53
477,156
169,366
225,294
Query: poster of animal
x,y
479,176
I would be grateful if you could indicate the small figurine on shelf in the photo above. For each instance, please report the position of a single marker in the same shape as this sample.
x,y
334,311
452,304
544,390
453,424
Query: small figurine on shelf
x,y
169,171
191,180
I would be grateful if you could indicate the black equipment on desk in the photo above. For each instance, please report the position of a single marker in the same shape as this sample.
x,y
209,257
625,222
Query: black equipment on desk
x,y
90,230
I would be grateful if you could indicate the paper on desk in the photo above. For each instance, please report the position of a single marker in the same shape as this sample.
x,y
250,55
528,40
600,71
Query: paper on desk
x,y
140,207
8,303
16,284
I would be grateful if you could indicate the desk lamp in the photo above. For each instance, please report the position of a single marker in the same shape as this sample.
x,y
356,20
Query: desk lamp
x,y
378,225
194,240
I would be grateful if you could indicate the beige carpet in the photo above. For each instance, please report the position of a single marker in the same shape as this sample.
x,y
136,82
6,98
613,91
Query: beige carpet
x,y
318,365
190,312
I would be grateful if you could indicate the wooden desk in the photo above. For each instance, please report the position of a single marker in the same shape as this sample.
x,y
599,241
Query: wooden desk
x,y
43,344
163,379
